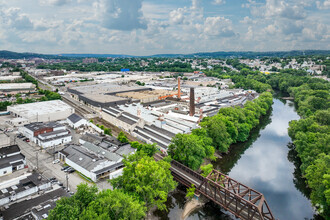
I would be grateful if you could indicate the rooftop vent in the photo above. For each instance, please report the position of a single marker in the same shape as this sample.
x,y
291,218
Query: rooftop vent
x,y
80,158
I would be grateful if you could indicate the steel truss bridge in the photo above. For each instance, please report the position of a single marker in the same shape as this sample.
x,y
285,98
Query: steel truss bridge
x,y
235,197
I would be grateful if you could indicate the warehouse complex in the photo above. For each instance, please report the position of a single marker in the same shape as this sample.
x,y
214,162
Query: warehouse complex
x,y
40,112
14,88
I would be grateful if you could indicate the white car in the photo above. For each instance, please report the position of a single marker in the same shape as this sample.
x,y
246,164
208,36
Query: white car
x,y
56,161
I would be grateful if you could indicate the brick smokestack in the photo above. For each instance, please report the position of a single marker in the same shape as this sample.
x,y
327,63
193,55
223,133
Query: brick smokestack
x,y
179,88
192,102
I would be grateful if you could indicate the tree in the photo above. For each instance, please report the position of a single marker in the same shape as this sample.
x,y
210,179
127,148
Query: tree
x,y
71,208
318,178
207,169
190,149
216,129
191,192
66,209
149,149
107,131
122,137
151,181
114,205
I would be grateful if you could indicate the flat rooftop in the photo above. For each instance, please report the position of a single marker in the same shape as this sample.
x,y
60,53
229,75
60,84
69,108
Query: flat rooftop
x,y
40,108
106,88
13,86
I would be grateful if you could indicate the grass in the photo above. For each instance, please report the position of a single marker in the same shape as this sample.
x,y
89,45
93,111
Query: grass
x,y
85,177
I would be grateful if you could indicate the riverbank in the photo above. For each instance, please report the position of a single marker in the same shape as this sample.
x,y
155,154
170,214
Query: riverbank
x,y
263,162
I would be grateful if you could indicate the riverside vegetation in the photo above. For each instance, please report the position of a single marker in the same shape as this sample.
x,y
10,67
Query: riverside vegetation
x,y
310,134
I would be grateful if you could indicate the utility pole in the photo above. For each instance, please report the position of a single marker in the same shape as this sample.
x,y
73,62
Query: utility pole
x,y
37,160
67,182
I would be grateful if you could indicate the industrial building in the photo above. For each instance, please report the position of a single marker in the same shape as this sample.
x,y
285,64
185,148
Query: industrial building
x,y
28,196
21,187
159,121
14,88
11,159
46,134
104,94
40,112
97,157
75,121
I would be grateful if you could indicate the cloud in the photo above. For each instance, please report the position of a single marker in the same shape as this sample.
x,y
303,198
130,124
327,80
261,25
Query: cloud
x,y
55,2
218,2
125,15
323,5
248,20
218,26
279,8
14,18
177,16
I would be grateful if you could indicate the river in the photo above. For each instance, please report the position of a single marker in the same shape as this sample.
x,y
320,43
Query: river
x,y
265,163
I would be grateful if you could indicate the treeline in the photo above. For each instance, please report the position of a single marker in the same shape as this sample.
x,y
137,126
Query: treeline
x,y
120,63
310,134
144,184
311,137
230,125
29,78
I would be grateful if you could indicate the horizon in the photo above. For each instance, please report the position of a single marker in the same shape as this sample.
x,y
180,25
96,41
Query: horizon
x,y
145,27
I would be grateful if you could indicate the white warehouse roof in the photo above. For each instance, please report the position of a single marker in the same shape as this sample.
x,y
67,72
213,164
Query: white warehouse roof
x,y
31,110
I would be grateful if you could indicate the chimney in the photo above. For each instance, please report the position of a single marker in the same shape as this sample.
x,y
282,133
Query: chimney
x,y
192,102
179,88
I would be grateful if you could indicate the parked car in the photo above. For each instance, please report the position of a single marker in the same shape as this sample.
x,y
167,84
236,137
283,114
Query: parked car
x,y
20,136
70,170
65,168
56,161
26,139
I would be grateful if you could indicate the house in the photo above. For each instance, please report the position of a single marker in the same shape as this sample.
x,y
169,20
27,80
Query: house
x,y
46,134
75,121
11,159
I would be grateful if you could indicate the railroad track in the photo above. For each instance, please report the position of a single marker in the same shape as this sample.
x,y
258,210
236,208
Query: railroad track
x,y
78,109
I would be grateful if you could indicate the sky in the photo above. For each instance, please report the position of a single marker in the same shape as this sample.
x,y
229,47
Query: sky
x,y
146,27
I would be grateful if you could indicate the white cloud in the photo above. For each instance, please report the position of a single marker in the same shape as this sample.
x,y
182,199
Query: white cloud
x,y
123,15
218,2
323,5
248,20
177,16
55,2
218,26
14,18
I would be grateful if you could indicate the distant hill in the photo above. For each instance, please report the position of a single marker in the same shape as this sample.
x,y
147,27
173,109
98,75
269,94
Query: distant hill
x,y
220,54
13,55
248,54
94,55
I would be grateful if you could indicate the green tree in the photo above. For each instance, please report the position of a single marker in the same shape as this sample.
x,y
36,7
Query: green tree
x,y
191,192
114,205
71,208
107,131
151,181
206,169
189,149
318,178
149,149
217,130
122,137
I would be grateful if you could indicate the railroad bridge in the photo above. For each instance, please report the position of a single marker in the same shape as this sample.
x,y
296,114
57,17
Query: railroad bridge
x,y
242,201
